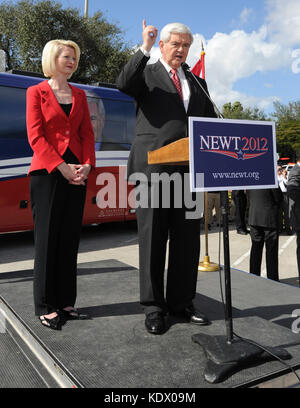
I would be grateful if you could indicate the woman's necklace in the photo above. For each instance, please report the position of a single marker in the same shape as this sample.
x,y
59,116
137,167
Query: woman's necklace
x,y
63,95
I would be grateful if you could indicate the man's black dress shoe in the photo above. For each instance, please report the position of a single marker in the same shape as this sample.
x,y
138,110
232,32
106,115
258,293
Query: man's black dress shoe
x,y
242,232
194,316
155,323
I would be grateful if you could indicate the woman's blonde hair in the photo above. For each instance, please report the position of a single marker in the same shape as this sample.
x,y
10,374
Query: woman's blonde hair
x,y
52,50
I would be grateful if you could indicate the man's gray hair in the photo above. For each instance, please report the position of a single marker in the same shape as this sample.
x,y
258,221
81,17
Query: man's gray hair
x,y
175,28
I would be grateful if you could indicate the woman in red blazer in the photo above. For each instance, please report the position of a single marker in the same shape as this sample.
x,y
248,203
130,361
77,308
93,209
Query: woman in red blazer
x,y
61,135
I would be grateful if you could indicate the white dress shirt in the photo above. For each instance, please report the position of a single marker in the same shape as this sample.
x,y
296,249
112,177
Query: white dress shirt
x,y
282,184
186,93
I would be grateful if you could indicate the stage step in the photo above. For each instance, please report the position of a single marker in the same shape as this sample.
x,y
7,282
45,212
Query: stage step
x,y
25,362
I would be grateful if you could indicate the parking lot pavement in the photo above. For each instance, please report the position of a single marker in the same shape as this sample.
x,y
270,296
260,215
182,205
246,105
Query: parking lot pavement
x,y
119,241
240,246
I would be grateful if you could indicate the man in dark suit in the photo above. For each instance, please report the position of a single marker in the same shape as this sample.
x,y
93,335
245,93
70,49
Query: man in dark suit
x,y
264,205
240,201
162,110
293,190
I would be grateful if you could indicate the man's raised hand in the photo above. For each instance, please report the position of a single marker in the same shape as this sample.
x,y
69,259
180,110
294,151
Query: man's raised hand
x,y
149,36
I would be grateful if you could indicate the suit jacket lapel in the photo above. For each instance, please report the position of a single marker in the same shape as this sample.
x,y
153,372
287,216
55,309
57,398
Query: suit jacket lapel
x,y
193,93
76,98
48,95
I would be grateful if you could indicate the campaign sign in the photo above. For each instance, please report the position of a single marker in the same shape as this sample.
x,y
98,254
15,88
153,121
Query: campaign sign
x,y
228,154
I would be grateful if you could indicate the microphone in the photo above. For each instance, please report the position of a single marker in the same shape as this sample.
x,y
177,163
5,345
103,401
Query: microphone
x,y
186,68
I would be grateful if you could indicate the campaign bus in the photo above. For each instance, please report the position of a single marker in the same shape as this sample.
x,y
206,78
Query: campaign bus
x,y
113,119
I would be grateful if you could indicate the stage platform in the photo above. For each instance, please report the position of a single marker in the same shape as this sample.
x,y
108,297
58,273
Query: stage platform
x,y
113,349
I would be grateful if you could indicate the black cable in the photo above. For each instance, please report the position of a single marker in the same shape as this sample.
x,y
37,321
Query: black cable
x,y
220,269
254,343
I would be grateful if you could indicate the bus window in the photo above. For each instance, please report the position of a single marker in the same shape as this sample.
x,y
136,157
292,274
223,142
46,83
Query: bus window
x,y
13,123
118,131
97,114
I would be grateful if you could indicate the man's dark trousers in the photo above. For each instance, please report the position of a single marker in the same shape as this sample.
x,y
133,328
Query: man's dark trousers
x,y
259,235
155,227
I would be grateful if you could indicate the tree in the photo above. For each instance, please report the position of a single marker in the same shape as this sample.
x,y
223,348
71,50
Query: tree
x,y
29,24
237,111
287,119
7,38
284,113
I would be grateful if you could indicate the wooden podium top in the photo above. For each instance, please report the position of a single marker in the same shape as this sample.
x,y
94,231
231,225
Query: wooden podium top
x,y
174,153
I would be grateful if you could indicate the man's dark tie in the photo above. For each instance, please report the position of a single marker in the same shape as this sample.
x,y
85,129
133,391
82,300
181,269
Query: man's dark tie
x,y
176,82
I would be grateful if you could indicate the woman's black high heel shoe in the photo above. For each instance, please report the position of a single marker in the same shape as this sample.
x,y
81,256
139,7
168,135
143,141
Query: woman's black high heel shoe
x,y
54,323
74,314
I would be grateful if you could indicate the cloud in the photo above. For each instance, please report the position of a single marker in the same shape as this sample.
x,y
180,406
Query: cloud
x,y
283,21
238,55
245,15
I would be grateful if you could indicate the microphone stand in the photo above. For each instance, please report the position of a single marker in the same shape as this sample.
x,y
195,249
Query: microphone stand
x,y
225,354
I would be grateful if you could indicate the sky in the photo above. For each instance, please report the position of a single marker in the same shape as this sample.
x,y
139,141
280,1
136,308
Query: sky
x,y
252,46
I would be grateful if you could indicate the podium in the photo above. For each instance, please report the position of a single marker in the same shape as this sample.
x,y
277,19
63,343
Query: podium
x,y
174,153
225,354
